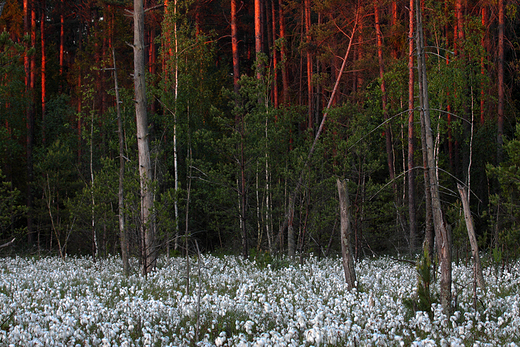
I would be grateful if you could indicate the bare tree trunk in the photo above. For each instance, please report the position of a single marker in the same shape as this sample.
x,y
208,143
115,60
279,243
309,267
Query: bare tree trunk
x,y
472,237
234,45
62,37
310,90
441,232
145,168
121,193
411,95
258,37
43,67
500,120
283,55
95,246
346,229
29,115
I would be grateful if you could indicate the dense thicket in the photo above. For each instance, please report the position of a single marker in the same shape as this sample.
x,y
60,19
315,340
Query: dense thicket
x,y
236,96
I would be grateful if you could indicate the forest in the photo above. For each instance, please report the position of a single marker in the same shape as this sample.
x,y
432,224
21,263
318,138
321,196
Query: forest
x,y
254,111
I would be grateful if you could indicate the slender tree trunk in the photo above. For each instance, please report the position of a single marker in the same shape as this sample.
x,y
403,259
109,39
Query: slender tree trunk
x,y
411,96
441,232
472,237
388,128
283,55
258,36
145,169
310,92
346,230
29,119
274,55
43,67
121,193
483,72
62,37
95,246
234,46
500,119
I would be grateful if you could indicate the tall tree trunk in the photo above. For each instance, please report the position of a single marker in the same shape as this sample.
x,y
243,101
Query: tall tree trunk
x,y
307,11
29,119
121,192
62,37
388,128
441,232
258,36
346,230
145,169
234,46
43,67
483,42
500,119
274,55
411,95
283,55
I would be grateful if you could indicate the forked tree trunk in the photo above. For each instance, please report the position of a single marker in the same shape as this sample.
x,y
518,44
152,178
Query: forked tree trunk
x,y
145,169
441,232
472,237
346,229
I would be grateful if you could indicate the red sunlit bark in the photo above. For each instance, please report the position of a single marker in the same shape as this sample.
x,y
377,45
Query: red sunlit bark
x,y
29,119
307,10
258,36
234,45
283,54
62,37
43,66
485,19
275,55
388,129
500,119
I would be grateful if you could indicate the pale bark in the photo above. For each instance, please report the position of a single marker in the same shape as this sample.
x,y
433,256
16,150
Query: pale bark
x,y
471,235
121,192
346,230
145,169
441,232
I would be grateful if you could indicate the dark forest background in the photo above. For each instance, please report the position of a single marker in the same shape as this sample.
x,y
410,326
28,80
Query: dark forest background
x,y
230,130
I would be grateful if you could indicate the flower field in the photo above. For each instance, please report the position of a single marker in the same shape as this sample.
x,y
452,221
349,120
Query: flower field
x,y
231,302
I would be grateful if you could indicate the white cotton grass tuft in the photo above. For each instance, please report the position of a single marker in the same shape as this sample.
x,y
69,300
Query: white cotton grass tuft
x,y
74,301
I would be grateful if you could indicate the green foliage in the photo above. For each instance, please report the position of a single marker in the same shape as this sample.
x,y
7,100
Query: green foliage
x,y
11,209
425,296
506,204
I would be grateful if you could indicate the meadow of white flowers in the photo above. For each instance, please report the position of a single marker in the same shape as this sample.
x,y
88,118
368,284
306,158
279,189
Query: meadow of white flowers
x,y
79,302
